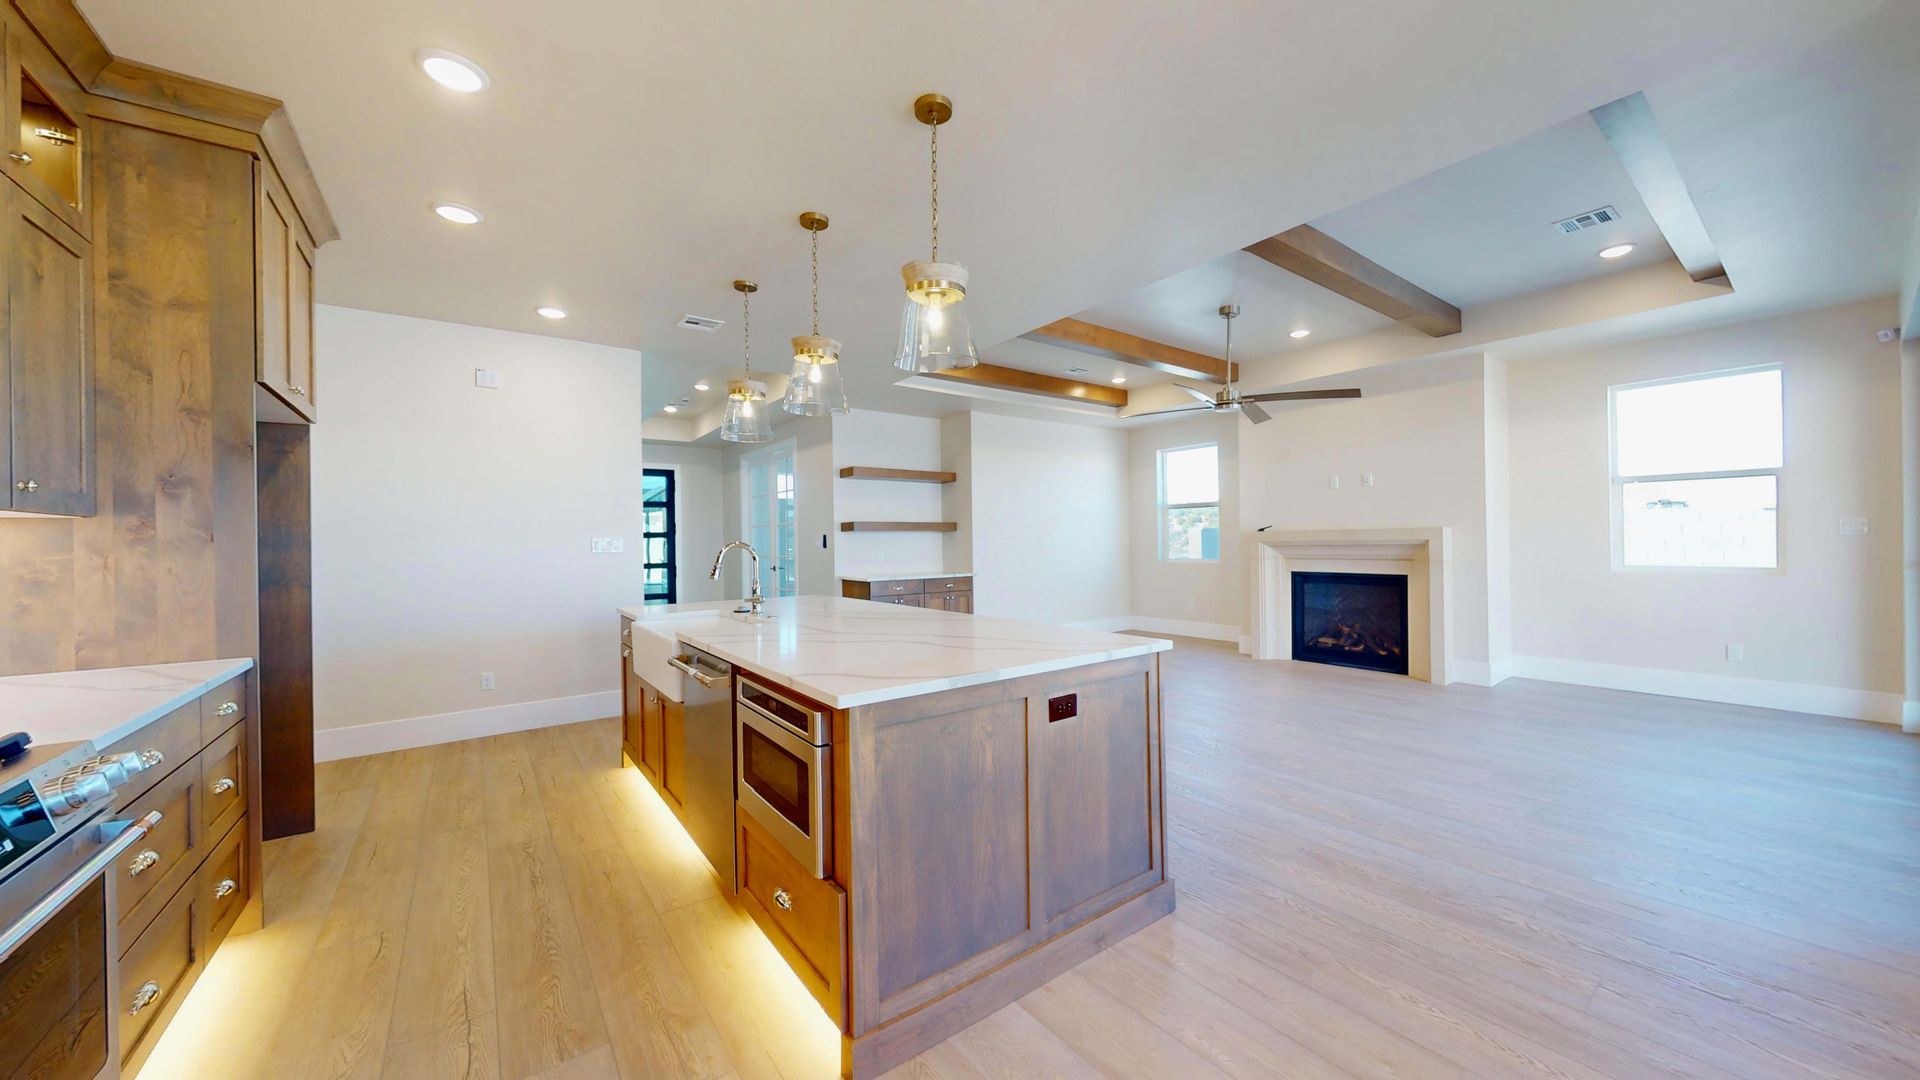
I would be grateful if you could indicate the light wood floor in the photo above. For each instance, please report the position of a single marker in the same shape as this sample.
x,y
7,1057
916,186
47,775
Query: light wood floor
x,y
1377,878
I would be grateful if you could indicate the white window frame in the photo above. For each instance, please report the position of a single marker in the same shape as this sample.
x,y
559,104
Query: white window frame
x,y
1615,495
1161,505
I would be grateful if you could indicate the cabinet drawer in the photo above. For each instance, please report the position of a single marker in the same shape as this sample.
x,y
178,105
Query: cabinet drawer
x,y
809,912
175,736
154,869
949,584
899,588
222,707
223,781
154,971
223,884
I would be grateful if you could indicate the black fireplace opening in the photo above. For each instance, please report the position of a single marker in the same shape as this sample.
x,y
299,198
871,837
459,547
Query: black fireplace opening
x,y
1353,620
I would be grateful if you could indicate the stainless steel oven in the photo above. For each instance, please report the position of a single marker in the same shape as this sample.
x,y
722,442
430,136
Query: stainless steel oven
x,y
57,925
784,758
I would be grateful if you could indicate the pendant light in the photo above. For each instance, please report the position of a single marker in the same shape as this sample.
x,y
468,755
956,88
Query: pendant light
x,y
745,419
934,331
816,387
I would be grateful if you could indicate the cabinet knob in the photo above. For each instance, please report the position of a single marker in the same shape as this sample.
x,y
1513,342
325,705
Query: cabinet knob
x,y
26,485
783,899
301,390
224,889
24,159
223,785
144,997
143,862
150,758
227,708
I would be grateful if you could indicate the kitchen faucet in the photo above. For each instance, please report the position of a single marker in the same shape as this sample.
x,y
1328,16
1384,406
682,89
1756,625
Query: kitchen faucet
x,y
754,598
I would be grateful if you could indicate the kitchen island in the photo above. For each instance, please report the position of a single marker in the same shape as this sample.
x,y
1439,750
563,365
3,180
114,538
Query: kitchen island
x,y
984,798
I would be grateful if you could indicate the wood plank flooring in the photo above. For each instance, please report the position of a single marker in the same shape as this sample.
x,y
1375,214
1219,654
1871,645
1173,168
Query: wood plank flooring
x,y
1377,878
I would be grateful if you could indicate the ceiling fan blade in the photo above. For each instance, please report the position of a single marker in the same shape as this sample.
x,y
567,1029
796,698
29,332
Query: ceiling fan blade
x,y
1208,407
1304,395
1200,394
1254,412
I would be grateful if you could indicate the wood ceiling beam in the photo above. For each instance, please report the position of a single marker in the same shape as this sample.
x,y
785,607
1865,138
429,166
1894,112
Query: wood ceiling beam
x,y
1118,345
1630,129
1309,253
1029,382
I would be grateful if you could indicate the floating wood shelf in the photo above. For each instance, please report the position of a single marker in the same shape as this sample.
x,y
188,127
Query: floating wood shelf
x,y
899,526
912,476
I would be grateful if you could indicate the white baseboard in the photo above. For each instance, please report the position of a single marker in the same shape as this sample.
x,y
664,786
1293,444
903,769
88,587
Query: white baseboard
x,y
1839,701
1111,626
1184,628
1910,717
330,744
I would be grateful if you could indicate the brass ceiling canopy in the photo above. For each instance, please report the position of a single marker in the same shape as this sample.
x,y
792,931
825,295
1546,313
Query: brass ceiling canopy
x,y
813,221
932,109
745,287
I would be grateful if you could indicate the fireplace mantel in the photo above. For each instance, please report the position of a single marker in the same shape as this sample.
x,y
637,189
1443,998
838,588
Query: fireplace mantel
x,y
1423,554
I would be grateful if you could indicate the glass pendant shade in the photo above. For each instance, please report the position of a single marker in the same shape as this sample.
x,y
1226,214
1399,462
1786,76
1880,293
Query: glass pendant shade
x,y
745,419
935,334
816,387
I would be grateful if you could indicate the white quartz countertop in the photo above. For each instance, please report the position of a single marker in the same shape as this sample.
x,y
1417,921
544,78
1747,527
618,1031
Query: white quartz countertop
x,y
105,705
846,653
906,577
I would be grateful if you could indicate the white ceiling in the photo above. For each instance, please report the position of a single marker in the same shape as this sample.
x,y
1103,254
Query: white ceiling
x,y
633,158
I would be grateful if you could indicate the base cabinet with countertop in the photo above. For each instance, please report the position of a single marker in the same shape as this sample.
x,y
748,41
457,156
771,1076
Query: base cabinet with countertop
x,y
946,592
923,850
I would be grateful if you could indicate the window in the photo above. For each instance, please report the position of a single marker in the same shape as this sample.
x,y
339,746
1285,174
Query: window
x,y
1696,470
661,577
1190,503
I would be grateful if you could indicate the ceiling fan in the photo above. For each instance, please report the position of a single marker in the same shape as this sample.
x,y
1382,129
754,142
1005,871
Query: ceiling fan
x,y
1229,400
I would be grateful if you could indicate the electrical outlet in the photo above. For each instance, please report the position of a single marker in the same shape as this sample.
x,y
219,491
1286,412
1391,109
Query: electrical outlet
x,y
1064,707
485,379
1737,653
486,680
1853,526
1366,479
1191,607
1333,482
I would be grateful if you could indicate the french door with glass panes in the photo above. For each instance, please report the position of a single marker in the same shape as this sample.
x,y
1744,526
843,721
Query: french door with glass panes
x,y
772,525
657,543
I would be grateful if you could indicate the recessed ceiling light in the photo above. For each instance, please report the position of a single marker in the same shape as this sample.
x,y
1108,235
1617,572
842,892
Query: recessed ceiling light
x,y
458,214
1616,251
453,71
702,385
552,312
673,408
1300,333
1118,379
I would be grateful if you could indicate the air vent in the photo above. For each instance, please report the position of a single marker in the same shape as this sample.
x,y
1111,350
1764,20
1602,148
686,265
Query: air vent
x,y
1606,215
1078,370
701,323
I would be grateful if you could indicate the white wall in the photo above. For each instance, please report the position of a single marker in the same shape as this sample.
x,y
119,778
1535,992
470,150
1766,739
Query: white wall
x,y
888,441
1208,595
1050,520
1831,617
811,438
1421,432
697,491
451,524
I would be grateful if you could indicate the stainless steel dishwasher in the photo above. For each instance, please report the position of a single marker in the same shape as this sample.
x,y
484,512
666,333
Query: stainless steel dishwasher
x,y
708,805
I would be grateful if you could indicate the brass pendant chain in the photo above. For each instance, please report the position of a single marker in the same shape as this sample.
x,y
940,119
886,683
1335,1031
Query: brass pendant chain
x,y
746,335
935,154
815,233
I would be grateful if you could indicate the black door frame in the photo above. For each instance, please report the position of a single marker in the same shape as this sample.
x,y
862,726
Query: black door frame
x,y
673,527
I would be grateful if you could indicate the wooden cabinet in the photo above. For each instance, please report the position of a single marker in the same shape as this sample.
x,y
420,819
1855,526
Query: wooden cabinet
x,y
283,260
632,697
950,593
46,370
653,734
46,131
653,731
673,751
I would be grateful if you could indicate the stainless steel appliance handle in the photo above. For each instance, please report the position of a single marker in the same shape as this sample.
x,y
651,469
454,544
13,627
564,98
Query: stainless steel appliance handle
x,y
685,664
13,936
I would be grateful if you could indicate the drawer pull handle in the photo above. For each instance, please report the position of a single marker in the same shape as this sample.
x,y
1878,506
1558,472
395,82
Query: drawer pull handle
x,y
26,485
143,862
227,708
24,159
223,785
782,900
143,997
224,889
300,390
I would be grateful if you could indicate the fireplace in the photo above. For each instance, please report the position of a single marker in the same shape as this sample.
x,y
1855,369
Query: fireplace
x,y
1352,620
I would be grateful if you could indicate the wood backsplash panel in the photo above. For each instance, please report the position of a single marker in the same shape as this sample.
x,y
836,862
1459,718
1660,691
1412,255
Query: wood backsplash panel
x,y
166,569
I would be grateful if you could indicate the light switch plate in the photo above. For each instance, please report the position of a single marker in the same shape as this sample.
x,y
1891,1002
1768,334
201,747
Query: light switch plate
x,y
1333,482
608,545
1853,526
1737,653
485,379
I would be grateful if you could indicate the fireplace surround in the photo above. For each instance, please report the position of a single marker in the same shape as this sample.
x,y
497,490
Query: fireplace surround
x,y
1423,554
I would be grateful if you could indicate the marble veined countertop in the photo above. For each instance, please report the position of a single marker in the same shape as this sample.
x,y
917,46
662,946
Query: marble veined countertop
x,y
105,705
846,653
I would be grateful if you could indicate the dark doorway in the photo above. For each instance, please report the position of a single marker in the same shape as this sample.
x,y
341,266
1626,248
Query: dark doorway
x,y
658,543
1351,620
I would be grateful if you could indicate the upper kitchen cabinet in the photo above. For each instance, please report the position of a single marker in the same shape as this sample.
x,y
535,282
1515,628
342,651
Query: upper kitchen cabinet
x,y
46,129
284,262
46,370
